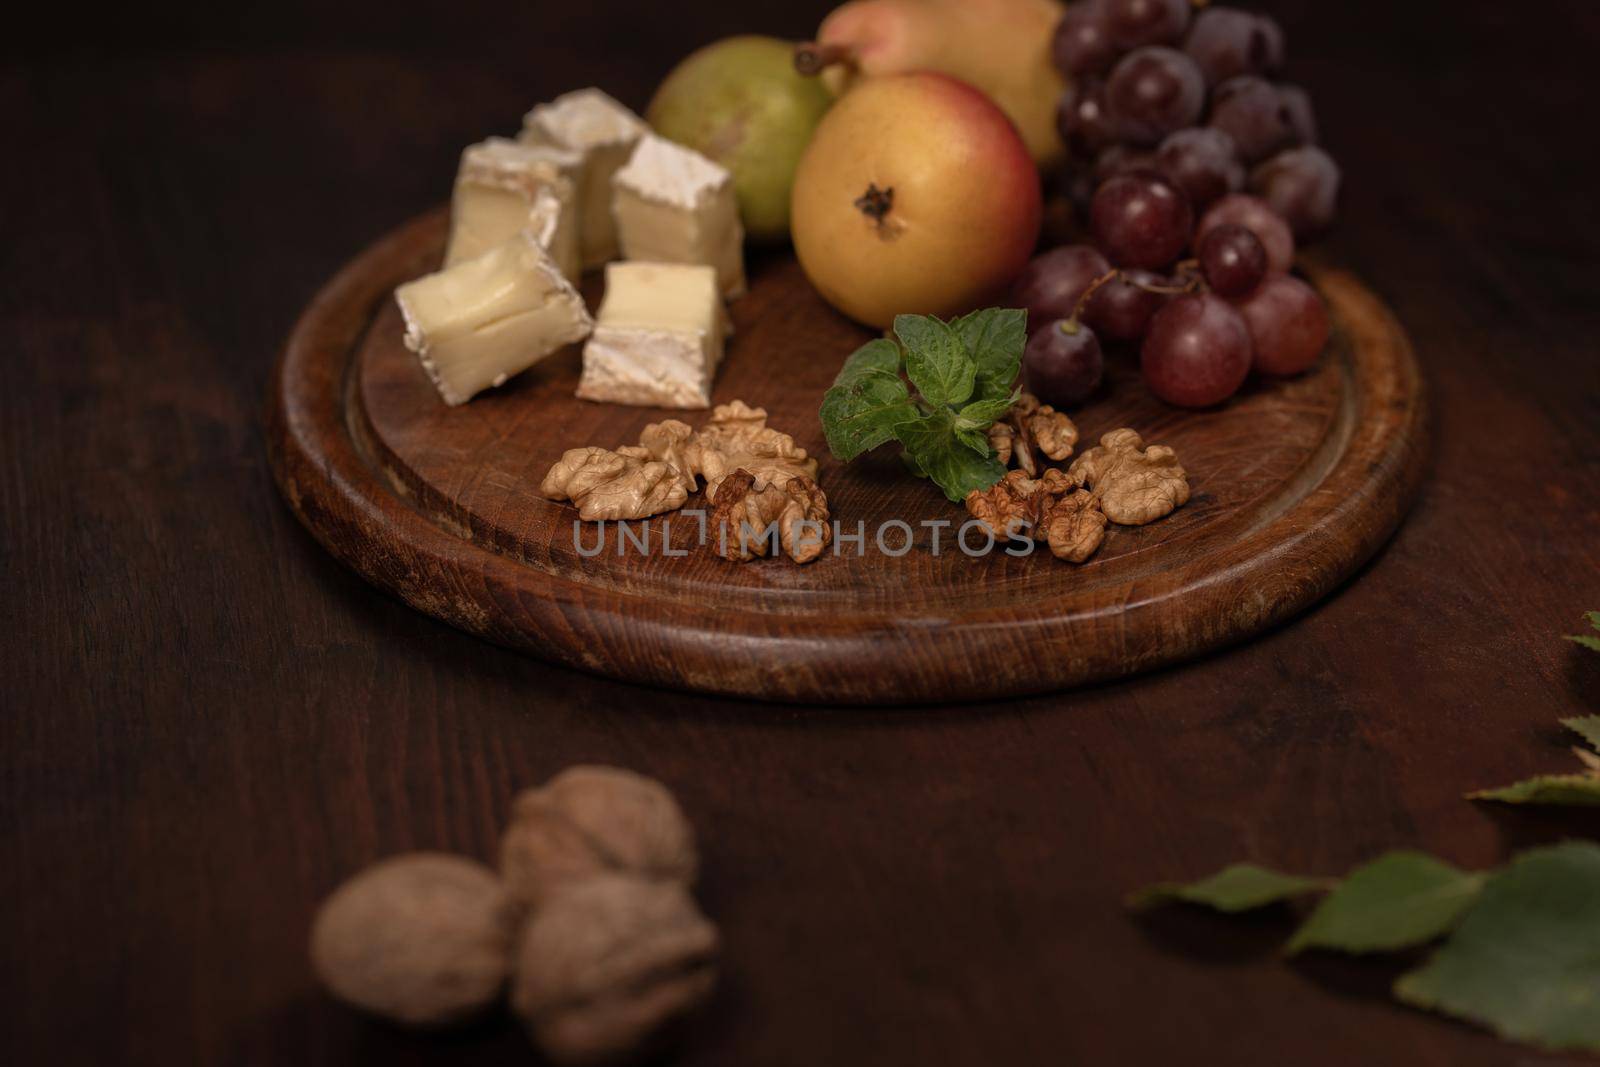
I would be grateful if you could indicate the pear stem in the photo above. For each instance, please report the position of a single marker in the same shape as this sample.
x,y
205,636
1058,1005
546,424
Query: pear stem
x,y
811,58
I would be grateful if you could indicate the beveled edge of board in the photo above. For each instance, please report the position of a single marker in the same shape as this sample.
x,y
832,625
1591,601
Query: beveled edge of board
x,y
1267,576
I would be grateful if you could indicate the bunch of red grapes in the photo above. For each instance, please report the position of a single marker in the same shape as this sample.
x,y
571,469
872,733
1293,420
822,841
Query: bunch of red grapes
x,y
1196,174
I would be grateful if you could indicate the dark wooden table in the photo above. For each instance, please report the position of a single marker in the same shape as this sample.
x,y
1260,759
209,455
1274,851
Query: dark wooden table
x,y
207,723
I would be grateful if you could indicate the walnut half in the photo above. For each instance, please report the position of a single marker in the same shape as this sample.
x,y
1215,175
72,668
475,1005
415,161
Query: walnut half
x,y
614,485
1031,428
1014,506
1134,484
746,506
1074,526
670,462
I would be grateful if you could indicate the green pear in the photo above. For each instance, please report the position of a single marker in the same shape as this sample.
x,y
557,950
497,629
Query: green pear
x,y
741,102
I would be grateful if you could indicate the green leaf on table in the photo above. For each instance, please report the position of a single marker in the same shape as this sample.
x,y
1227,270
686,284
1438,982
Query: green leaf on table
x,y
936,359
1588,641
868,401
995,338
1586,727
1574,790
1241,887
938,452
1525,962
1396,901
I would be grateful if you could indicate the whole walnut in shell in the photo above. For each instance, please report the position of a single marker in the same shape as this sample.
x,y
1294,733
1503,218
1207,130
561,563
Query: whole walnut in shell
x,y
603,964
423,939
591,820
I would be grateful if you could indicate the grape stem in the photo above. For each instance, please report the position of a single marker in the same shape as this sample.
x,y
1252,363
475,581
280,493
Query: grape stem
x,y
1189,268
1088,294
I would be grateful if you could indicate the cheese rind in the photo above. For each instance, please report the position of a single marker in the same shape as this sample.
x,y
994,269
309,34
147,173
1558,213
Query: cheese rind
x,y
477,323
553,220
673,205
659,337
497,184
604,133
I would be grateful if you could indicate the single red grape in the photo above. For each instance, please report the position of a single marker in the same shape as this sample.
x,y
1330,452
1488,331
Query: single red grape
x,y
1197,352
1253,113
1288,324
1052,284
1121,309
1231,259
1082,120
1124,159
1139,221
1200,162
1063,364
1152,92
1226,42
1302,117
1302,185
1254,215
1272,35
1082,45
1136,23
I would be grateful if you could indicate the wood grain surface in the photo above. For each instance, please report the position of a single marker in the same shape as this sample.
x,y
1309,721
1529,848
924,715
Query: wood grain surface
x,y
207,722
1294,484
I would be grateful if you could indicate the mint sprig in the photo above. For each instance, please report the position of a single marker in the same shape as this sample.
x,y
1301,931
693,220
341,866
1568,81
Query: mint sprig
x,y
935,387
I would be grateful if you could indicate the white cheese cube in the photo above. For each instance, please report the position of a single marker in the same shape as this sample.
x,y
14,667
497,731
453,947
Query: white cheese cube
x,y
498,183
673,205
603,132
658,338
479,322
553,221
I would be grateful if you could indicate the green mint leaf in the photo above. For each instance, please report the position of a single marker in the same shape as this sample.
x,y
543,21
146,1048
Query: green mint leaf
x,y
881,354
1586,727
1525,962
1396,901
982,414
1574,790
936,359
954,467
995,338
867,402
1241,887
865,413
976,440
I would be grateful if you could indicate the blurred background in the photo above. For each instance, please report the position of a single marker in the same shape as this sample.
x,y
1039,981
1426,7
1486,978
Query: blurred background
x,y
206,722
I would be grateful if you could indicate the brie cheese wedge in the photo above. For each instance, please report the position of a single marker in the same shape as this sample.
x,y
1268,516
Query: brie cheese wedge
x,y
498,183
475,324
553,221
673,205
603,133
658,338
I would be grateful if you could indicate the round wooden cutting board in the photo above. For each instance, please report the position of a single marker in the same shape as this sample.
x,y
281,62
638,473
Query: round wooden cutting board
x,y
1295,484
